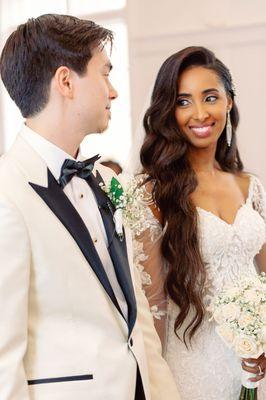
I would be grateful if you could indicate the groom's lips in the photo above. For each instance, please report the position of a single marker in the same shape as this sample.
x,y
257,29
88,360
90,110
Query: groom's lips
x,y
108,108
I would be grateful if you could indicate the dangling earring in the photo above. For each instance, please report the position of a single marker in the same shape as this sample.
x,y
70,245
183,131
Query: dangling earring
x,y
228,129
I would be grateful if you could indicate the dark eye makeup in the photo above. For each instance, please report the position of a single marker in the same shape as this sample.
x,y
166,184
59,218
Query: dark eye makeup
x,y
183,102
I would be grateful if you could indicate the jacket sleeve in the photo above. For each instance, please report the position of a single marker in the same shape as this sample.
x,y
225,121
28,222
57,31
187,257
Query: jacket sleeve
x,y
14,285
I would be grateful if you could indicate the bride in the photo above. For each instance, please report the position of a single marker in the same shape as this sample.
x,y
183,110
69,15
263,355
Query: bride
x,y
207,221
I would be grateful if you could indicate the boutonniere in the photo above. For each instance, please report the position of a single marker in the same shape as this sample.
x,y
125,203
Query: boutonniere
x,y
128,197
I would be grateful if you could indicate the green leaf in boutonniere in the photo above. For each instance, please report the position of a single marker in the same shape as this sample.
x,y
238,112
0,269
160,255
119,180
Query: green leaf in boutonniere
x,y
116,193
130,201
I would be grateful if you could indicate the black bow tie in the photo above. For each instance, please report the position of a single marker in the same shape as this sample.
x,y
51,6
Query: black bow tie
x,y
71,168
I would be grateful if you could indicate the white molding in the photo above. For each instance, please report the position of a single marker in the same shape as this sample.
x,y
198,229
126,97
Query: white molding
x,y
106,15
218,37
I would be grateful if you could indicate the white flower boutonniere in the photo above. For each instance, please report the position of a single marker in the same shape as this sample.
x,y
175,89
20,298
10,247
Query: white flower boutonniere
x,y
129,201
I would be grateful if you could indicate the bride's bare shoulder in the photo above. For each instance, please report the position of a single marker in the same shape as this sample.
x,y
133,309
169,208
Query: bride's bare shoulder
x,y
243,180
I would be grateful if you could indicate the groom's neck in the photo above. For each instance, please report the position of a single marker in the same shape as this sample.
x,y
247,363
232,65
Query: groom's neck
x,y
57,129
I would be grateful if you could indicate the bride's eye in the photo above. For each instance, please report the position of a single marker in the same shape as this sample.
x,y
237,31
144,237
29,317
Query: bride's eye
x,y
182,102
211,99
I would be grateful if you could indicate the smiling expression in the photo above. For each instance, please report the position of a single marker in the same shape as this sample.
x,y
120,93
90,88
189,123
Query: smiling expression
x,y
202,105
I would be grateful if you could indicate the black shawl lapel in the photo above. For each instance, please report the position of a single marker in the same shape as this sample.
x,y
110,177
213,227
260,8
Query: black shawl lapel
x,y
62,207
116,248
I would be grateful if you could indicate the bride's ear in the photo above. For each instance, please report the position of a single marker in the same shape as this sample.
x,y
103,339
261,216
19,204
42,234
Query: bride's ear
x,y
229,103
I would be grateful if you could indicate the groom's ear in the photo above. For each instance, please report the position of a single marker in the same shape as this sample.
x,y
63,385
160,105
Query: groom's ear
x,y
63,81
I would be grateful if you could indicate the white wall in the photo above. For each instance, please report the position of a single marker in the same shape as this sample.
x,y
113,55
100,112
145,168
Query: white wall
x,y
234,30
159,17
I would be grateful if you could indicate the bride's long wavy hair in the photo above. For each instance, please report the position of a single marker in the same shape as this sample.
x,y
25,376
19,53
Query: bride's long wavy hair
x,y
164,159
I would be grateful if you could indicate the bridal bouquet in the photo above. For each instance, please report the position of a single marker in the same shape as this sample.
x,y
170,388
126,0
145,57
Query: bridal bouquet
x,y
128,195
240,312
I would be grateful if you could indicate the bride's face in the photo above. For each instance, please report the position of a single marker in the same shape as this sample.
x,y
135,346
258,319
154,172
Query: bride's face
x,y
202,105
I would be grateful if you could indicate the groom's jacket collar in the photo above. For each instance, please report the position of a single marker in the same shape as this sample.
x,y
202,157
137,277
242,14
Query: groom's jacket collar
x,y
53,156
25,158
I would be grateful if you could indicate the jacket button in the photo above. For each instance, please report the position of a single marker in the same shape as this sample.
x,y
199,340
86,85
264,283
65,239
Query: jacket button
x,y
131,342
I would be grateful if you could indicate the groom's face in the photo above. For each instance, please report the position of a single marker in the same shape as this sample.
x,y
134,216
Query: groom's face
x,y
94,94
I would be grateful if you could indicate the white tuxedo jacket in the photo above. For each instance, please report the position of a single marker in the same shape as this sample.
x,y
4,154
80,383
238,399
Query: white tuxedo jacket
x,y
62,335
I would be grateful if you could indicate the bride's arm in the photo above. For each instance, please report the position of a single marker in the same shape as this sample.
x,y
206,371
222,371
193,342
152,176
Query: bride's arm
x,y
152,268
261,259
260,206
259,201
150,263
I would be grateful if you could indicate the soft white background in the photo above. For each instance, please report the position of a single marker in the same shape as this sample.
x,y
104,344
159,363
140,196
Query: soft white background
x,y
148,31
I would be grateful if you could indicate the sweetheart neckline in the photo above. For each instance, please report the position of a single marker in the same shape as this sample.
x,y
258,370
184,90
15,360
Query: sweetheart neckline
x,y
221,219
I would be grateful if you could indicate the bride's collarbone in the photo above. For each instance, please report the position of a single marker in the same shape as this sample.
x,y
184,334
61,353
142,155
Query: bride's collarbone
x,y
224,199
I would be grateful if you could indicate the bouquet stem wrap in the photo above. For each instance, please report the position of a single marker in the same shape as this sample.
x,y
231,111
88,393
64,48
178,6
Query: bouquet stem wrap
x,y
246,376
248,394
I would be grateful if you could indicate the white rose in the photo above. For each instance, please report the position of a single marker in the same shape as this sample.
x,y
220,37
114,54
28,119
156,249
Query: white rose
x,y
262,312
226,334
251,296
246,347
245,319
230,312
118,220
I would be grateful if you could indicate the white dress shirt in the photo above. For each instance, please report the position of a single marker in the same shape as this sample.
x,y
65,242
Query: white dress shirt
x,y
83,199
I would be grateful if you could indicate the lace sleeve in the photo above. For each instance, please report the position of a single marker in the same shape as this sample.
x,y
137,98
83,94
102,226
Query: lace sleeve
x,y
259,204
151,265
259,198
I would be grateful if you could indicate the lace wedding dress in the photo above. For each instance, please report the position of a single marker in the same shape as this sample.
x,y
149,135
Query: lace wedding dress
x,y
207,369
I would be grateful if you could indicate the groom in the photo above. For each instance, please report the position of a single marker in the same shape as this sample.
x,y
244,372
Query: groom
x,y
73,324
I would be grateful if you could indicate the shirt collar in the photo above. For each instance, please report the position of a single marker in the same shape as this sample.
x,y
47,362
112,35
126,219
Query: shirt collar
x,y
52,155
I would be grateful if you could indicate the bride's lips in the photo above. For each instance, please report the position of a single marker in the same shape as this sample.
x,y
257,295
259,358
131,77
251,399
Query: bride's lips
x,y
202,131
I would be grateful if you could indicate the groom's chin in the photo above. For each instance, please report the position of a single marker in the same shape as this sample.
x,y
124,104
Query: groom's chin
x,y
102,129
97,131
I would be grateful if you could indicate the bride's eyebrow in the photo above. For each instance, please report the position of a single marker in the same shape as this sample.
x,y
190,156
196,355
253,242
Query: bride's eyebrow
x,y
210,90
206,91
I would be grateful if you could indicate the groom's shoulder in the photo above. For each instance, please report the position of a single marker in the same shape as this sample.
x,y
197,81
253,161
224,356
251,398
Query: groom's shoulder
x,y
5,177
11,177
4,165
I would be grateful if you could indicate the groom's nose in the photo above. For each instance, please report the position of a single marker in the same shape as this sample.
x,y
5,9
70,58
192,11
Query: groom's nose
x,y
112,92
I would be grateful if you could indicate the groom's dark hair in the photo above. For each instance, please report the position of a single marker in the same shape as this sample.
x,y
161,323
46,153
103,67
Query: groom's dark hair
x,y
35,50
